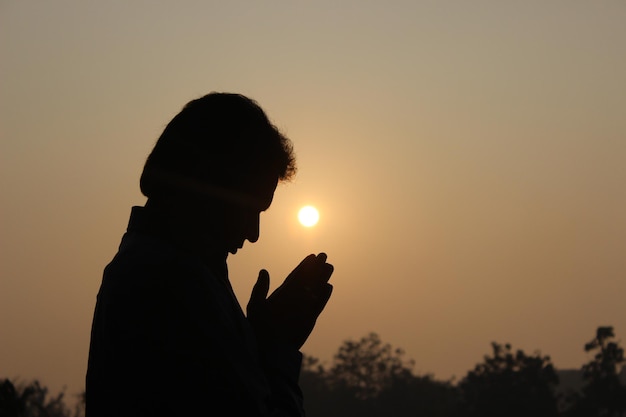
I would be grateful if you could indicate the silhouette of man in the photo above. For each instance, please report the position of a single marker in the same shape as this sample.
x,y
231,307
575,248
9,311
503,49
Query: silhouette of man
x,y
169,337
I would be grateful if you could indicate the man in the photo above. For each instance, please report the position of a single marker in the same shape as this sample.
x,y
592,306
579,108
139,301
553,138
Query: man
x,y
169,337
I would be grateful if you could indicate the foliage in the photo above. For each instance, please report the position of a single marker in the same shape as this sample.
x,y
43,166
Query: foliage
x,y
603,393
31,400
371,378
510,384
368,367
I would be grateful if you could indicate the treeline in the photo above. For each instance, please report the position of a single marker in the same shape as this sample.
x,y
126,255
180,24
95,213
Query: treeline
x,y
33,400
370,378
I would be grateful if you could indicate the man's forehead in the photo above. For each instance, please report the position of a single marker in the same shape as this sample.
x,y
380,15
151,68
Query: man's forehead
x,y
253,190
259,191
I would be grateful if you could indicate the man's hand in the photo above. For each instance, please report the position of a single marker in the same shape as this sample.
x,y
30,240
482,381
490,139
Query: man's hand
x,y
288,315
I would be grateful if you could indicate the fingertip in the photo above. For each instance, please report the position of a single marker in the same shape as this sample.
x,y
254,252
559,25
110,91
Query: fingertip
x,y
308,259
264,277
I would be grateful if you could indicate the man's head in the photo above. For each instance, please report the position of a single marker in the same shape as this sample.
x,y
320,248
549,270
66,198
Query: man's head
x,y
219,159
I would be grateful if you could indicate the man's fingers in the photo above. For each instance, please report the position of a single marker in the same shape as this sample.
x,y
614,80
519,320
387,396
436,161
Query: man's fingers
x,y
320,273
303,267
310,275
326,271
314,302
325,293
260,289
263,283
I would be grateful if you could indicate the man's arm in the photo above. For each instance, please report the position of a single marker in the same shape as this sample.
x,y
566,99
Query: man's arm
x,y
282,323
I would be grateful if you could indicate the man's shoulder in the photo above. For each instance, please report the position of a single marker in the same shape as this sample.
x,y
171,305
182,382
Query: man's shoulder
x,y
144,260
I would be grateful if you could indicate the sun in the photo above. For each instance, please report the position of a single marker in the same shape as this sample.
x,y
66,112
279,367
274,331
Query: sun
x,y
308,216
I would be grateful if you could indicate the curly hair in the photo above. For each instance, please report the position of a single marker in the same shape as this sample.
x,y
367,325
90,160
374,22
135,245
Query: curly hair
x,y
220,139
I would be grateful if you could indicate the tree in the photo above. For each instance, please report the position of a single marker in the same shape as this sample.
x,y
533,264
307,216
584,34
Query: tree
x,y
30,400
371,378
318,395
510,384
603,393
368,366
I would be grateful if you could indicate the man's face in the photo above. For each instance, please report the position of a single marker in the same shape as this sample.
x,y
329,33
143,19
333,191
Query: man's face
x,y
241,214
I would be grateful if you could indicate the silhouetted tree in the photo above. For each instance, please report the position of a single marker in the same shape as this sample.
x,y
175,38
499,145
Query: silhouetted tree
x,y
369,366
416,396
30,400
603,393
510,384
11,403
370,378
79,408
318,395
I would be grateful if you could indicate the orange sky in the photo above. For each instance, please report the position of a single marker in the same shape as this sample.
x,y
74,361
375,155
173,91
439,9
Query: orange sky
x,y
467,159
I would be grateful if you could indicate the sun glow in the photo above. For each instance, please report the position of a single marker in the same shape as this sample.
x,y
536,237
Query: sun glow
x,y
308,216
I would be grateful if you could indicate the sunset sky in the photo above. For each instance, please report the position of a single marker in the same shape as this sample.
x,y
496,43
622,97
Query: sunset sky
x,y
468,160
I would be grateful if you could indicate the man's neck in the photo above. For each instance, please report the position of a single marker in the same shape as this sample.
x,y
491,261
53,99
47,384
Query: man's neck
x,y
186,229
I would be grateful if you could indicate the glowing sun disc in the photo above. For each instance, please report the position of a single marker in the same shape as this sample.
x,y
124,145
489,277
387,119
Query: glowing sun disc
x,y
308,216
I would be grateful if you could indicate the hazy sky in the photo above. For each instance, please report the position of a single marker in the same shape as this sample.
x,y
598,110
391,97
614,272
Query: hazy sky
x,y
468,159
